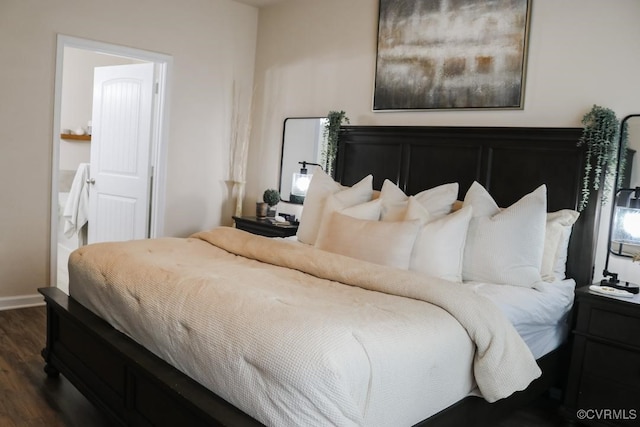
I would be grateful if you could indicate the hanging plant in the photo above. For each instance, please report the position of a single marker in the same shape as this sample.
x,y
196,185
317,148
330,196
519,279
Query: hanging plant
x,y
330,135
601,135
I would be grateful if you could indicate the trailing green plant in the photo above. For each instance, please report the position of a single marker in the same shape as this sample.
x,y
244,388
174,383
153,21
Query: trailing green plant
x,y
601,135
330,135
271,197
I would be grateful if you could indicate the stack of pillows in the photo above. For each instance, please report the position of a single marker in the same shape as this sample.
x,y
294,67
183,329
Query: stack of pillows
x,y
434,234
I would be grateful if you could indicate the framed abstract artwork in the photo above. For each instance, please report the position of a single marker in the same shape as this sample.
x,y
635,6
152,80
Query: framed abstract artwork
x,y
451,54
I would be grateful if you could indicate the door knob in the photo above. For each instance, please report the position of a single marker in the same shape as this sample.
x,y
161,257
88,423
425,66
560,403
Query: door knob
x,y
91,181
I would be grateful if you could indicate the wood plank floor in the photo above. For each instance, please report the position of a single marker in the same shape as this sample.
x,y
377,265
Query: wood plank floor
x,y
29,398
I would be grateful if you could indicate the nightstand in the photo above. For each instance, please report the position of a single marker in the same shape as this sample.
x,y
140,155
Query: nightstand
x,y
264,227
603,388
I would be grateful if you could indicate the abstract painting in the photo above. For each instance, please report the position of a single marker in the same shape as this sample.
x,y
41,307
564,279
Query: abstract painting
x,y
451,54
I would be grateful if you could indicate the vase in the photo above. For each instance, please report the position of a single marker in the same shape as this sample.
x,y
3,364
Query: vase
x,y
261,209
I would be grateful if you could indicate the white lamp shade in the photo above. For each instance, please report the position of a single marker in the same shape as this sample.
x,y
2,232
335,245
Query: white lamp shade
x,y
626,227
300,184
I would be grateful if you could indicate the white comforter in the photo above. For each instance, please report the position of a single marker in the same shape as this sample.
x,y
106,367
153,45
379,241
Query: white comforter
x,y
272,328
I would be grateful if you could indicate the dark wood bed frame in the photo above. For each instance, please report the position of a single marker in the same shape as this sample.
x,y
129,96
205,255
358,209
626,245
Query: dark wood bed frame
x,y
134,387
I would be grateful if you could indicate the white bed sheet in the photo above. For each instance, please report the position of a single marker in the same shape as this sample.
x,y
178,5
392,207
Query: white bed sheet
x,y
539,314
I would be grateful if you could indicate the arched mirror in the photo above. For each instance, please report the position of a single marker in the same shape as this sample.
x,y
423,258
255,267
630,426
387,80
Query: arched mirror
x,y
624,231
301,142
625,237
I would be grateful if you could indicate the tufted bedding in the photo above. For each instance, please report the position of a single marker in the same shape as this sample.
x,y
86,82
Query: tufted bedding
x,y
294,335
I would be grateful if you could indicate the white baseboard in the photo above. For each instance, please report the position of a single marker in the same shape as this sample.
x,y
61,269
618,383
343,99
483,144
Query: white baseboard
x,y
22,301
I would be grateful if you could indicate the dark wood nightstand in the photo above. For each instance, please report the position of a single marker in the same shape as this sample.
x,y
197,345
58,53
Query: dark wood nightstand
x,y
603,388
264,227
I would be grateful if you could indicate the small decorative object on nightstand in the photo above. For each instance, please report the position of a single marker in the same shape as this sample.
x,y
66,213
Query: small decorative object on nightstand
x,y
268,227
604,376
271,197
261,209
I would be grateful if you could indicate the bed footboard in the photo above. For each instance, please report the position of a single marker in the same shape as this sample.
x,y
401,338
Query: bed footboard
x,y
129,384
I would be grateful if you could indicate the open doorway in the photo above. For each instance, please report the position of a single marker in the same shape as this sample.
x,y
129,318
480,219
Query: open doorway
x,y
72,146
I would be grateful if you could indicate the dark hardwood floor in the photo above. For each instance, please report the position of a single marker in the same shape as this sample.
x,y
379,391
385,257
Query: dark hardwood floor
x,y
29,398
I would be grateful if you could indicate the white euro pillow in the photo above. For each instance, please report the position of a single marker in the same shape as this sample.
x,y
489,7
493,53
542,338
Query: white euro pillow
x,y
439,248
437,200
385,243
505,246
320,188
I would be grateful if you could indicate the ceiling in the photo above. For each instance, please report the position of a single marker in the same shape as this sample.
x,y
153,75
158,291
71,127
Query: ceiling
x,y
259,3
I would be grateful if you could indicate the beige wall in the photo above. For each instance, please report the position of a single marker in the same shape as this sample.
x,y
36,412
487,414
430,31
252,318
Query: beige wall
x,y
315,56
212,43
312,57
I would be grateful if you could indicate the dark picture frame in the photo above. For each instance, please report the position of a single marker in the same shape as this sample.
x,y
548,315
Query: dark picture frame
x,y
451,54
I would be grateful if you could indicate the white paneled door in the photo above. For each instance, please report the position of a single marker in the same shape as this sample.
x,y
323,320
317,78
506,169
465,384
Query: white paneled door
x,y
120,153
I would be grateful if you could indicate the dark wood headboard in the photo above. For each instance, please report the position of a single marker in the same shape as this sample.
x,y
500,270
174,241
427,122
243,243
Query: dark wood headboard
x,y
508,161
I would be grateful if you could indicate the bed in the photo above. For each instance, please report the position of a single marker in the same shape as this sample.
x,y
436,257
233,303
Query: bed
x,y
134,386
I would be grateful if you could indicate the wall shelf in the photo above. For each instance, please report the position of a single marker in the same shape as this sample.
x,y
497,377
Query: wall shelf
x,y
75,137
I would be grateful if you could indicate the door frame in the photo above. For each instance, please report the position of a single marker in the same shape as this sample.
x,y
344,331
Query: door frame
x,y
159,133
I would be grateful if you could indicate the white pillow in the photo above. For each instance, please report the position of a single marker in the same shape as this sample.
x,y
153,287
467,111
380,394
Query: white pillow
x,y
415,210
369,211
439,247
505,246
385,243
320,188
437,200
556,244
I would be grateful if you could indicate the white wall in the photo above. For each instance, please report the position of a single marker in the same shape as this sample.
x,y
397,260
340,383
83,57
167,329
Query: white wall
x,y
212,43
314,57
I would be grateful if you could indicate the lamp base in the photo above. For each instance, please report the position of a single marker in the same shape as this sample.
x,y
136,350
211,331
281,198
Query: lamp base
x,y
634,289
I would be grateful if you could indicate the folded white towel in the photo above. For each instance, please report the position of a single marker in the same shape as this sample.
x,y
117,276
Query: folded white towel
x,y
76,210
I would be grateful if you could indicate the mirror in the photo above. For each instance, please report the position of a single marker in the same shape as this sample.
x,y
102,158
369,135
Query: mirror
x,y
624,223
625,241
301,142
